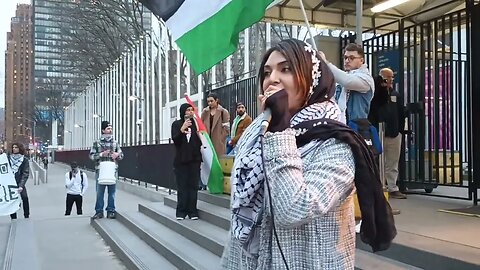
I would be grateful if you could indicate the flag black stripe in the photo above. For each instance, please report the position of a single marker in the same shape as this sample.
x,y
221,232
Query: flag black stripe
x,y
163,8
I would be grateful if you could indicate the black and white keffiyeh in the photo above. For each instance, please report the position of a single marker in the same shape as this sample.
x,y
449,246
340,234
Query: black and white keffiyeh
x,y
248,177
16,161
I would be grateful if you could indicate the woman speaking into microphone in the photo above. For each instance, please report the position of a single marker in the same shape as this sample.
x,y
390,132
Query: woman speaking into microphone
x,y
292,188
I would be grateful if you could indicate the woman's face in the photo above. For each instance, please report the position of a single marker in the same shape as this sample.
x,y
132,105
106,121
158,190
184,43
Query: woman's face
x,y
279,75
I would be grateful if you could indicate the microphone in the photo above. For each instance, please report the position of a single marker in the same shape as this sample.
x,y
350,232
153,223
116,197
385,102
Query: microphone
x,y
267,116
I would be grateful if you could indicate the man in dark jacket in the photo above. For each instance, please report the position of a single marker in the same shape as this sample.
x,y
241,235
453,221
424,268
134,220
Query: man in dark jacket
x,y
387,107
21,169
187,162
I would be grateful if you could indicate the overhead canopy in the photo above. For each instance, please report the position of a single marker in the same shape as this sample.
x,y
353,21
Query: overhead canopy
x,y
340,14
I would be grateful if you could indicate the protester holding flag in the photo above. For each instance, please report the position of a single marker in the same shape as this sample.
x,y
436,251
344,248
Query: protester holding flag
x,y
210,170
304,217
187,162
21,169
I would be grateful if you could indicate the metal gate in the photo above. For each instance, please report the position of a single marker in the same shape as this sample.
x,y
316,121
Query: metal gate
x,y
245,91
432,68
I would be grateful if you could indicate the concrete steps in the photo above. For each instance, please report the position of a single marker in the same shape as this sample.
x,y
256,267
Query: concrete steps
x,y
199,244
134,252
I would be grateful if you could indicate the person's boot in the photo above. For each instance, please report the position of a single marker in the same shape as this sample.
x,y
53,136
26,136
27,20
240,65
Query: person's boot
x,y
111,215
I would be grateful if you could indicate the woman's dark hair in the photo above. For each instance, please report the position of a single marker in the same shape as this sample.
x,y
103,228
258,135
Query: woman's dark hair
x,y
213,95
301,65
21,148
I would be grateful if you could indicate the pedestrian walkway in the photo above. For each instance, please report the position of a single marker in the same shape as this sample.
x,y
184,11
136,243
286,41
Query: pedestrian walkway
x,y
66,242
61,242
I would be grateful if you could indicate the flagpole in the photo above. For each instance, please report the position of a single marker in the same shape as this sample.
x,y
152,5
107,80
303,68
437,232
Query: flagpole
x,y
308,24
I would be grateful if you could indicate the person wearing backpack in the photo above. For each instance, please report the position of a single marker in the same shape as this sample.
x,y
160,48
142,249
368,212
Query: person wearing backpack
x,y
76,183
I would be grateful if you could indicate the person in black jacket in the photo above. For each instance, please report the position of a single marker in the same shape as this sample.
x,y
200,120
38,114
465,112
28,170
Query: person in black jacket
x,y
387,107
187,162
21,169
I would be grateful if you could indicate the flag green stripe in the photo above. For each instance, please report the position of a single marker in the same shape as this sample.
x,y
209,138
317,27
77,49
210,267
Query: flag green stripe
x,y
215,178
217,37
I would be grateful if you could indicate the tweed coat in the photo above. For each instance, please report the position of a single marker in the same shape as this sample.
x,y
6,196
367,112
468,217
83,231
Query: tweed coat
x,y
313,208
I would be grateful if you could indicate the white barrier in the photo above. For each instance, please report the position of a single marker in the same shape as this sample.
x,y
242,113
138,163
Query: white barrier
x,y
39,174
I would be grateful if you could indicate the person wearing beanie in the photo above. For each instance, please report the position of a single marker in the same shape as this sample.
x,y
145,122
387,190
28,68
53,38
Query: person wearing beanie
x,y
105,149
186,162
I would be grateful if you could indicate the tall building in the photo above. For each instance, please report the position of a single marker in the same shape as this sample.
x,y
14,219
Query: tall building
x,y
55,81
18,78
57,78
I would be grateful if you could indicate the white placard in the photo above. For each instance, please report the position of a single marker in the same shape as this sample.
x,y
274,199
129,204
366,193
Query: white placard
x,y
9,196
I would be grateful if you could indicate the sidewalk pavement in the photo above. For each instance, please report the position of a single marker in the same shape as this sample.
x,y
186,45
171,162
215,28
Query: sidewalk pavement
x,y
69,242
420,215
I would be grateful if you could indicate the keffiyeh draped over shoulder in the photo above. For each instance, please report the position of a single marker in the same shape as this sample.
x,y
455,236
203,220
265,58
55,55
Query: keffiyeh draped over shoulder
x,y
248,176
247,198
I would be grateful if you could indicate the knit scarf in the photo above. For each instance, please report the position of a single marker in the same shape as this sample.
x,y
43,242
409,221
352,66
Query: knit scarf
x,y
248,177
16,161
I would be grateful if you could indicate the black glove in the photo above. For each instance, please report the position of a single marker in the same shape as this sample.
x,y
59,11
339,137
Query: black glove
x,y
278,105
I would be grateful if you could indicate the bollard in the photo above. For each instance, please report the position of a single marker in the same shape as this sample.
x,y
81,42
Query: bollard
x,y
35,177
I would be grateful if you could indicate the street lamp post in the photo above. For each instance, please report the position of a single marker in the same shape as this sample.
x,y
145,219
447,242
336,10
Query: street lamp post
x,y
83,135
71,138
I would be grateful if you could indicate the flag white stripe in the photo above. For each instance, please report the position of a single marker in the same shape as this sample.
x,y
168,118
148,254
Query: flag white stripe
x,y
192,13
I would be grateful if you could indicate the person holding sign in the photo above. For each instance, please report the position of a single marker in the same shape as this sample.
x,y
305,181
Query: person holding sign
x,y
21,169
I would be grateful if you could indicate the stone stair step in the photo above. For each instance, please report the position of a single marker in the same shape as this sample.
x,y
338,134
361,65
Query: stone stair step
x,y
177,249
221,200
365,260
217,215
205,234
134,252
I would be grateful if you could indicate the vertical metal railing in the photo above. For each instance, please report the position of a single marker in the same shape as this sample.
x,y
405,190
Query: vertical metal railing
x,y
433,75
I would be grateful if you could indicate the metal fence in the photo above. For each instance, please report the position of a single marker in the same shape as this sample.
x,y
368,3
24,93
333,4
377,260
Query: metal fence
x,y
432,64
151,164
245,91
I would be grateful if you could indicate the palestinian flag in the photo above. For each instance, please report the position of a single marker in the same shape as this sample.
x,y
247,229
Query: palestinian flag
x,y
210,170
207,30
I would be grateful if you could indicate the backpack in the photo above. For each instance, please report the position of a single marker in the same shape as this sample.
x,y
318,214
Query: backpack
x,y
81,176
369,133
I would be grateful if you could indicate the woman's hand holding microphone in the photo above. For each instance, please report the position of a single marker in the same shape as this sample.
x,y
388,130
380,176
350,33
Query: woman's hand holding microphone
x,y
276,100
